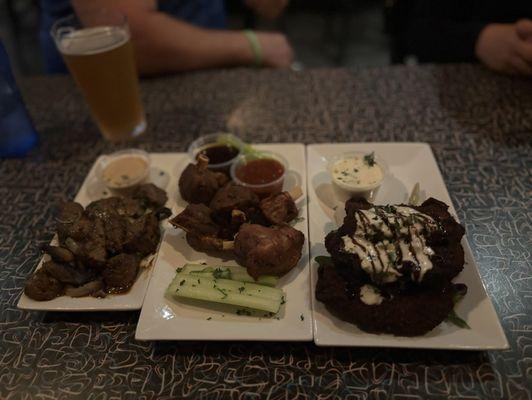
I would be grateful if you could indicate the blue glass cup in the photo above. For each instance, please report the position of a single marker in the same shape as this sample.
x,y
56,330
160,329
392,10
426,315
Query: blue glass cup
x,y
17,134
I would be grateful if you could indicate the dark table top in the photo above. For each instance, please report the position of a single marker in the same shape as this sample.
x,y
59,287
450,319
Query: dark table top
x,y
480,128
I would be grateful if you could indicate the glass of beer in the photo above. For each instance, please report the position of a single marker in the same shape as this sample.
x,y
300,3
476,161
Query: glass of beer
x,y
99,55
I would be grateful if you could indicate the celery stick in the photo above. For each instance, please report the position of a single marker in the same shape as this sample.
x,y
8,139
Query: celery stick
x,y
227,292
234,272
246,288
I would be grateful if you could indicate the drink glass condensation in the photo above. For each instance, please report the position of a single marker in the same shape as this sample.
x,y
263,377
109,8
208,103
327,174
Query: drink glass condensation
x,y
99,55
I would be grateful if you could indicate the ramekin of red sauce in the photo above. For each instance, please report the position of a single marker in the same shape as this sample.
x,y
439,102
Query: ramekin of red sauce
x,y
262,172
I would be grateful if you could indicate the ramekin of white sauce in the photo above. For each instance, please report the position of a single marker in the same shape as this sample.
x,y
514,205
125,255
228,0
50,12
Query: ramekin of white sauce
x,y
124,169
356,173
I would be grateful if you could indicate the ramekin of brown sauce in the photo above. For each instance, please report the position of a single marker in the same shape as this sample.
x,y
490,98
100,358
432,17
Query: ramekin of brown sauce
x,y
222,149
262,172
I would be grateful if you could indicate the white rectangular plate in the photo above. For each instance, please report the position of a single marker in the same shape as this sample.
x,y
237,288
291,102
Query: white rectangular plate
x,y
132,300
168,319
408,163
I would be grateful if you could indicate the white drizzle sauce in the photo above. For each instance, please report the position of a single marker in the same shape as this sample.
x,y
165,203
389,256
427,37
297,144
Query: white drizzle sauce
x,y
398,236
355,171
370,295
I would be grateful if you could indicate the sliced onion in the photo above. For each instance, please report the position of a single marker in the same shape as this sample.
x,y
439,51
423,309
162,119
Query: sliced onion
x,y
85,290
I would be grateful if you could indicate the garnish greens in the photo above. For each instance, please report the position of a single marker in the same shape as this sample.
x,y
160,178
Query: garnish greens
x,y
245,149
369,159
323,260
453,318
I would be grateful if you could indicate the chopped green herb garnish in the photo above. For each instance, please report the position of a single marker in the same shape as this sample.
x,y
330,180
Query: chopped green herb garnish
x,y
369,159
389,209
283,301
222,291
209,318
178,269
302,317
182,282
241,289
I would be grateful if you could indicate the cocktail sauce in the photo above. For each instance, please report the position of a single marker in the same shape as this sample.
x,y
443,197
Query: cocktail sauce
x,y
261,172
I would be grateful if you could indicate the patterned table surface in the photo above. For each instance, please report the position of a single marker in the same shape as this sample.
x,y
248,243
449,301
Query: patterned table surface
x,y
480,128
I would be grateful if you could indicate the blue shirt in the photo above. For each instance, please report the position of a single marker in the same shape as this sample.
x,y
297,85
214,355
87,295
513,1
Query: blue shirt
x,y
204,13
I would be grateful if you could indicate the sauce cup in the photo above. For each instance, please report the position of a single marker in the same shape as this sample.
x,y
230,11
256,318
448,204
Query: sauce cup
x,y
346,190
124,170
212,140
261,189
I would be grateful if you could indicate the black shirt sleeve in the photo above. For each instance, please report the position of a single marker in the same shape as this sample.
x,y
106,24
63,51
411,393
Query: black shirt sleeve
x,y
442,30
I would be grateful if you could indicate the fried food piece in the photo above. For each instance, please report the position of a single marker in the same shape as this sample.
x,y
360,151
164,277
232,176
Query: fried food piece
x,y
279,208
120,272
150,195
205,243
268,250
59,254
43,287
198,184
230,198
68,274
419,244
143,235
196,218
412,312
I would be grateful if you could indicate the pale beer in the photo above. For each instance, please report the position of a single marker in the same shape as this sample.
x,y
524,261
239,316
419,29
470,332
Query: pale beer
x,y
101,61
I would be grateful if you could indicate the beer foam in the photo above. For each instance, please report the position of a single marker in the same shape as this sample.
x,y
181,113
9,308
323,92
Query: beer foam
x,y
92,40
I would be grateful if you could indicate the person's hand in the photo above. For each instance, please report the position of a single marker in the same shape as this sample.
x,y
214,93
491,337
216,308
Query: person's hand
x,y
502,48
276,51
269,9
524,29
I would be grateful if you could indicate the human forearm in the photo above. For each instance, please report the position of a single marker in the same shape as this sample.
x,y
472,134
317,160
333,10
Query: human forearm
x,y
164,44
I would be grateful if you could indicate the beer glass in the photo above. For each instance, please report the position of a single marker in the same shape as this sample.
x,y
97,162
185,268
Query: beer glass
x,y
98,52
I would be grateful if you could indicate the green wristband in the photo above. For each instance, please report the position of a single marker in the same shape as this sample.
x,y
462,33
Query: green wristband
x,y
256,48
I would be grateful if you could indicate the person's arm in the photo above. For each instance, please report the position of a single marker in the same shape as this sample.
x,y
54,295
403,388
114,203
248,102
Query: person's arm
x,y
165,44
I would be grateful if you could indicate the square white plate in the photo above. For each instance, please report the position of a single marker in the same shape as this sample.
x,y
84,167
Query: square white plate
x,y
163,165
408,163
168,319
